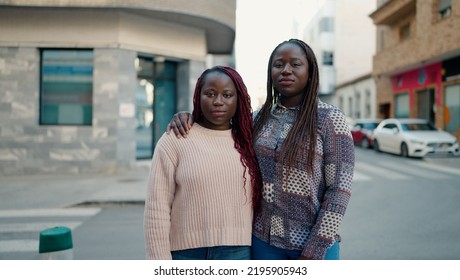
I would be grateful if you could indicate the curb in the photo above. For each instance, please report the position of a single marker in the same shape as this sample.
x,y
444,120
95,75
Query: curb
x,y
109,203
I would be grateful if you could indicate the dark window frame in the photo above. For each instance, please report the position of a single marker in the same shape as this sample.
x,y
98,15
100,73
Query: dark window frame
x,y
328,58
326,24
41,122
444,8
404,31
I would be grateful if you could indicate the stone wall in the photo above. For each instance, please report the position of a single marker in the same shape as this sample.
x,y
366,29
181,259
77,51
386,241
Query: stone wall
x,y
29,148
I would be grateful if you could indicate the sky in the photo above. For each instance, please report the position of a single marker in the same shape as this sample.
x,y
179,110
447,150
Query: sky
x,y
260,26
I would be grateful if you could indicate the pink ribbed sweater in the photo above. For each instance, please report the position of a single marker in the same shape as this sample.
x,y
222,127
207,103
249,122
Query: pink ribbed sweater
x,y
195,196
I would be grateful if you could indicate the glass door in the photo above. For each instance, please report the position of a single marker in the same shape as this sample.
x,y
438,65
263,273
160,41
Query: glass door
x,y
144,108
155,102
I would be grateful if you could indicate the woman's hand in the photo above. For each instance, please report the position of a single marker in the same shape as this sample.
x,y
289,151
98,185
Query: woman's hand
x,y
180,124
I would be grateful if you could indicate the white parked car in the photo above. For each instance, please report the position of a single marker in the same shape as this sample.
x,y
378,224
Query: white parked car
x,y
413,138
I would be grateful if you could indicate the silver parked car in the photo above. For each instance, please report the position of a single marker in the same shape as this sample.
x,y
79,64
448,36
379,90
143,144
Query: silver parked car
x,y
413,138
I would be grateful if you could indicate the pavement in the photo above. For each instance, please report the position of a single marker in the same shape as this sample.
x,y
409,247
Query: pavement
x,y
63,191
97,190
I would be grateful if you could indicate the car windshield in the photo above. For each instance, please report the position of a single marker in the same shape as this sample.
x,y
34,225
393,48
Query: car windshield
x,y
417,126
370,126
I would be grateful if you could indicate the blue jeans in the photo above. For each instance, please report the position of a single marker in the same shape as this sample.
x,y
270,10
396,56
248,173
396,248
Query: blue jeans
x,y
264,251
214,253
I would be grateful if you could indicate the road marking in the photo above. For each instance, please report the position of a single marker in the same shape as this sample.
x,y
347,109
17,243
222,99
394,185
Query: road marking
x,y
35,227
20,245
415,171
444,169
57,212
358,176
383,172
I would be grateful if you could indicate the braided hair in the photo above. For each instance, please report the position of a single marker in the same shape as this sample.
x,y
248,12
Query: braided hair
x,y
304,130
242,126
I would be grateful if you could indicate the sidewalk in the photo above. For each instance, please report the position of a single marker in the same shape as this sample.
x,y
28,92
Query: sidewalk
x,y
60,191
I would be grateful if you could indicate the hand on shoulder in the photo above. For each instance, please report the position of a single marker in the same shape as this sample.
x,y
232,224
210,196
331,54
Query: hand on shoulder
x,y
180,124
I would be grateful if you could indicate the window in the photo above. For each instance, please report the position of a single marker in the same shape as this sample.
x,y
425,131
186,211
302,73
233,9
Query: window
x,y
444,8
328,58
66,92
381,3
350,106
382,40
390,126
452,108
370,126
404,32
402,106
326,24
358,105
368,104
418,127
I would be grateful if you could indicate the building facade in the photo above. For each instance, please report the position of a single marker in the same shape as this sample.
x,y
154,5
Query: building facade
x,y
341,35
320,34
88,86
357,98
417,62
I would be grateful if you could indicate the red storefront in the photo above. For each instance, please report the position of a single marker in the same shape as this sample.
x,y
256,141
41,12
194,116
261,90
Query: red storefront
x,y
418,93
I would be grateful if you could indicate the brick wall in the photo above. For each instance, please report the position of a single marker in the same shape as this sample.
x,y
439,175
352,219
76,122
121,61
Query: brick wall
x,y
430,37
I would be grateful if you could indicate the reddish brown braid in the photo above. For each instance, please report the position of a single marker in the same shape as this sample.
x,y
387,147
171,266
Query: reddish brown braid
x,y
242,127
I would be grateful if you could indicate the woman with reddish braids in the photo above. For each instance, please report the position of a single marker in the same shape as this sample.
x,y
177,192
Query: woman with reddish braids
x,y
306,156
202,190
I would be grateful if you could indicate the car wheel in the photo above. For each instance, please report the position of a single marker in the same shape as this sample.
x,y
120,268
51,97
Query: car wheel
x,y
365,143
404,150
376,146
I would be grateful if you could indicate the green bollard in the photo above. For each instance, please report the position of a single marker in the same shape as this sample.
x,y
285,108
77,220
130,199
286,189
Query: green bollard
x,y
56,244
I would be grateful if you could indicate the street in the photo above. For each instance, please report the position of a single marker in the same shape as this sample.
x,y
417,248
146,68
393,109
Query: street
x,y
403,208
400,209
